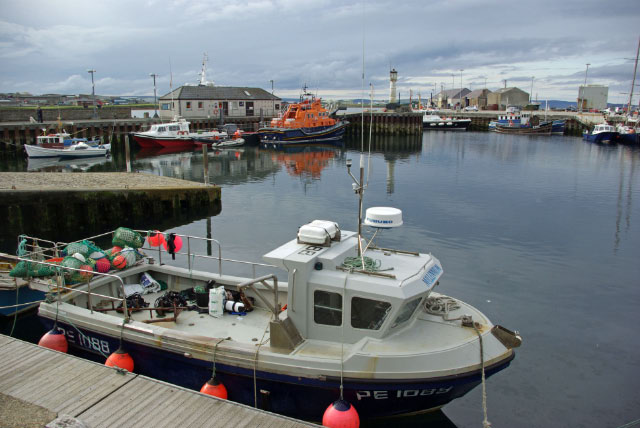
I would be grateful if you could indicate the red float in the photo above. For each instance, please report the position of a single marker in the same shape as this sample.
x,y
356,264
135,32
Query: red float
x,y
341,414
103,265
155,238
54,339
177,242
214,387
120,359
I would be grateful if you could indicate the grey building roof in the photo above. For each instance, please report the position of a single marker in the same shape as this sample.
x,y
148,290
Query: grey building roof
x,y
504,90
454,93
477,93
201,92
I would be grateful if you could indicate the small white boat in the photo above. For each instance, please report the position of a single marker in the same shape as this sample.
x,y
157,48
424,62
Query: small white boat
x,y
79,150
61,140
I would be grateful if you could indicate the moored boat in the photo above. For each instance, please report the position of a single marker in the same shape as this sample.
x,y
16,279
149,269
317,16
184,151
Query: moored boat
x,y
61,140
542,129
602,134
351,316
628,133
174,134
302,123
79,150
434,122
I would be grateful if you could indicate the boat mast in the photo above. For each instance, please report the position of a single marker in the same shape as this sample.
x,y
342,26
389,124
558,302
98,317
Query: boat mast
x,y
633,82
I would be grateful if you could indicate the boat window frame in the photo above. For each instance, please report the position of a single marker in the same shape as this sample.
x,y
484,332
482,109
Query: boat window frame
x,y
378,323
329,308
396,323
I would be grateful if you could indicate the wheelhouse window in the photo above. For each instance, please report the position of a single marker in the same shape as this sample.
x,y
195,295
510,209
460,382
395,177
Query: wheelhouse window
x,y
327,308
368,314
174,128
162,129
406,311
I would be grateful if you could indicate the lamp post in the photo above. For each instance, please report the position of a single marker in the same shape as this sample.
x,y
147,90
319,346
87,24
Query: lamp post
x,y
155,102
273,102
583,87
531,93
461,70
93,93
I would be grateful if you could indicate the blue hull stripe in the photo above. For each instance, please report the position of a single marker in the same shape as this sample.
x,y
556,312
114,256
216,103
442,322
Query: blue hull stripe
x,y
298,397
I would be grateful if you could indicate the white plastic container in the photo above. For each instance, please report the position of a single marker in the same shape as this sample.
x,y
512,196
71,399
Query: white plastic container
x,y
216,302
232,306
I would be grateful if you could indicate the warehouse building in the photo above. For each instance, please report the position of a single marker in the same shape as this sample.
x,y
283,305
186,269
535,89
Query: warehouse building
x,y
504,97
592,97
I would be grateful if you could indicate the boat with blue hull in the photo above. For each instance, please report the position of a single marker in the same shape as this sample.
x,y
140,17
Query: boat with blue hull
x,y
303,122
350,317
601,134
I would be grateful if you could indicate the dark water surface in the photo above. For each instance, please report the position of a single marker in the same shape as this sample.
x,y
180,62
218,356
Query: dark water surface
x,y
539,233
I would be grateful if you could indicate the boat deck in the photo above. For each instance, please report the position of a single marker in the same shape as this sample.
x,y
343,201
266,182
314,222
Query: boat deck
x,y
39,385
247,328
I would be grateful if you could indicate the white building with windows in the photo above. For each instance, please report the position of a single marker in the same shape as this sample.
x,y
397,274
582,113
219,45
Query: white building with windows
x,y
206,101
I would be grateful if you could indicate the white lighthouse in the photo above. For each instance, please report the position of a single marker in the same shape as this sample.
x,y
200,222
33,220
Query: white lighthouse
x,y
393,77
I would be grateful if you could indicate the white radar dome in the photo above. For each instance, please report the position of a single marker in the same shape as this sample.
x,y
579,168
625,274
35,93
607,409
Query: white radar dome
x,y
383,217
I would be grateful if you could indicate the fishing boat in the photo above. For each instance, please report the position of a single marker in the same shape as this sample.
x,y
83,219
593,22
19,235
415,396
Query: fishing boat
x,y
303,122
542,129
351,317
174,134
434,122
78,150
15,295
629,133
602,134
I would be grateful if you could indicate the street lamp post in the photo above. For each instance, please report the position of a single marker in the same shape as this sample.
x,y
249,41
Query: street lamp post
x,y
273,102
93,93
461,70
583,87
531,93
155,102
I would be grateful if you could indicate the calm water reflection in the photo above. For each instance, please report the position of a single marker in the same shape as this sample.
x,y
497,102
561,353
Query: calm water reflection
x,y
539,233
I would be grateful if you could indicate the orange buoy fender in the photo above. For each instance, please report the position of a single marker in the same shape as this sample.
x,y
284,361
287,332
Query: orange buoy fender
x,y
214,387
341,414
120,359
54,339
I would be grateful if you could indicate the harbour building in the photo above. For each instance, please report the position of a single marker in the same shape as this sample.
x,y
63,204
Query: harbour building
x,y
504,97
206,101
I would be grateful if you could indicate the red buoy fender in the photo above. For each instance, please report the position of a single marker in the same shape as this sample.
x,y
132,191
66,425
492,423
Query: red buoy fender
x,y
341,414
215,388
120,359
54,339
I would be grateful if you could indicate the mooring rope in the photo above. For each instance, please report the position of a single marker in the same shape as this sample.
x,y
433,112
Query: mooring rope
x,y
215,351
255,363
485,421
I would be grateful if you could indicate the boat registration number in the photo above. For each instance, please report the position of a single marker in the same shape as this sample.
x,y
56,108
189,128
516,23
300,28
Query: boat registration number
x,y
87,342
401,393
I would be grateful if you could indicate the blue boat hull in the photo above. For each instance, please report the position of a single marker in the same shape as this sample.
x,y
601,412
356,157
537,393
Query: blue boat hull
x,y
319,134
601,138
25,295
301,398
629,138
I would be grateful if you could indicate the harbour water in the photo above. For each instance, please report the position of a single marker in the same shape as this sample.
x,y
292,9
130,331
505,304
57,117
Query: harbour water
x,y
540,233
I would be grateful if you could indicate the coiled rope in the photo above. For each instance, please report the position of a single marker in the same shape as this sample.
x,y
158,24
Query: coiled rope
x,y
370,264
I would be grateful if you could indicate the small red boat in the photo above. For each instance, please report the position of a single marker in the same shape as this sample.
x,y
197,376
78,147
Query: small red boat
x,y
172,135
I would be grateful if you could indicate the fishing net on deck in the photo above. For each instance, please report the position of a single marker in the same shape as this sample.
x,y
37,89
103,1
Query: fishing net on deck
x,y
33,270
125,237
73,276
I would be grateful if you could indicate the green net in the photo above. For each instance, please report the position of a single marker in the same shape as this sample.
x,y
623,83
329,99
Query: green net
x,y
33,270
72,276
124,237
77,247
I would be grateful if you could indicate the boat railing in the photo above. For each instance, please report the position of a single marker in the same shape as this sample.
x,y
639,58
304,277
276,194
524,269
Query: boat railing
x,y
273,306
192,256
90,275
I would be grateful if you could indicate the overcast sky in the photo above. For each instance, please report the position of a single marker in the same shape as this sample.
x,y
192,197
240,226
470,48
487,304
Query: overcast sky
x,y
48,46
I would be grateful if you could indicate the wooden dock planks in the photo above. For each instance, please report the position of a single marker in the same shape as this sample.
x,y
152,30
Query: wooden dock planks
x,y
103,397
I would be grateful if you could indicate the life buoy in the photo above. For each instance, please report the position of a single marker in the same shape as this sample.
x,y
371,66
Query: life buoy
x,y
182,132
